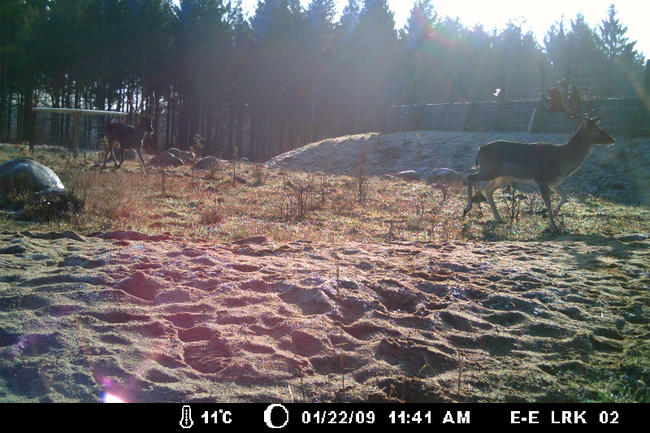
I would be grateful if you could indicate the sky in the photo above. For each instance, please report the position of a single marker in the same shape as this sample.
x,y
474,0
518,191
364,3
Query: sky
x,y
536,16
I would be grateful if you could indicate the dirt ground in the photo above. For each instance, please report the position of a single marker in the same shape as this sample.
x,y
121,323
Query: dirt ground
x,y
162,319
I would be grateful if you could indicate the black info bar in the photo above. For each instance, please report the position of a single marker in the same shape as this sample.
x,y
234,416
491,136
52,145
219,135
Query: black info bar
x,y
194,417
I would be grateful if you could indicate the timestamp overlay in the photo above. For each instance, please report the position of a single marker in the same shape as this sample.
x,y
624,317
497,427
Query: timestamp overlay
x,y
177,417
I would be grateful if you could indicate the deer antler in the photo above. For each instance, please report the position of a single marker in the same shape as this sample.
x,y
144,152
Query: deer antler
x,y
575,103
130,102
556,103
159,108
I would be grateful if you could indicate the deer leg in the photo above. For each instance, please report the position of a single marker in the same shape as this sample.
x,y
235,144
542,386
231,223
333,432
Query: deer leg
x,y
489,190
113,156
104,146
469,181
144,166
121,158
544,190
562,195
109,147
106,153
469,200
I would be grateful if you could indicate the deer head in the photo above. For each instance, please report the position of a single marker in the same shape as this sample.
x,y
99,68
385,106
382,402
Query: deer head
x,y
589,126
145,121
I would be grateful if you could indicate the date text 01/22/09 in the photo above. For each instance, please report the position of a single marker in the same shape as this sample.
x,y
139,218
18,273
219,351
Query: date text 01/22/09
x,y
394,417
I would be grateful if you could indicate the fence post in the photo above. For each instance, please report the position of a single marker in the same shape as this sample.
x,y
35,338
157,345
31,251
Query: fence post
x,y
531,121
454,85
76,134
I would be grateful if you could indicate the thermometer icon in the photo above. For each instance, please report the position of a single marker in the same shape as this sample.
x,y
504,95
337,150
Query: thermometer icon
x,y
186,417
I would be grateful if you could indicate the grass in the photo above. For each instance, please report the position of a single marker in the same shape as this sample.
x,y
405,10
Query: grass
x,y
285,206
243,200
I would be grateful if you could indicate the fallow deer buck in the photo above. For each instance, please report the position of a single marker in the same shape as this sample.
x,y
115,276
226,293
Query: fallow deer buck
x,y
123,136
542,164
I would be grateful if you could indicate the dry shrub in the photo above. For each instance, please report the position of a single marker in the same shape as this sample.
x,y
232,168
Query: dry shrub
x,y
260,174
343,203
214,171
211,216
52,206
302,194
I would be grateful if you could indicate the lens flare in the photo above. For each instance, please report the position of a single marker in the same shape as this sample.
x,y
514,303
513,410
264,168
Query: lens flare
x,y
111,398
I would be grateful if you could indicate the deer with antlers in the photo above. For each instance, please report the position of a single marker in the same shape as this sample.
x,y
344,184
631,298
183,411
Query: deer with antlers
x,y
122,136
543,165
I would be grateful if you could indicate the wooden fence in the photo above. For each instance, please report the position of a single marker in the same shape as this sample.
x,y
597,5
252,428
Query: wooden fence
x,y
621,116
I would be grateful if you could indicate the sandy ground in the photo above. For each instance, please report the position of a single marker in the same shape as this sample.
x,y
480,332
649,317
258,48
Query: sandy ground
x,y
164,319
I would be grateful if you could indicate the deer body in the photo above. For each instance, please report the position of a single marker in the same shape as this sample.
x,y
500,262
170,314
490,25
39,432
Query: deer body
x,y
123,136
531,163
543,165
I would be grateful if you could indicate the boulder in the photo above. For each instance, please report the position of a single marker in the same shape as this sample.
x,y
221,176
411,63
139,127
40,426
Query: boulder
x,y
409,175
446,177
183,155
165,159
24,181
27,175
207,163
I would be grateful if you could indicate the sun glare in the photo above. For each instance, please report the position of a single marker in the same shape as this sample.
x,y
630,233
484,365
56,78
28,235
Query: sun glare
x,y
110,398
534,16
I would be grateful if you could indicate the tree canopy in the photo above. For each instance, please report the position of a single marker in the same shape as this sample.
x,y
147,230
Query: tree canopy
x,y
287,75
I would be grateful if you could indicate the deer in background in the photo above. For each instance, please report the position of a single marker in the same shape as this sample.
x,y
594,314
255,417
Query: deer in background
x,y
544,165
123,136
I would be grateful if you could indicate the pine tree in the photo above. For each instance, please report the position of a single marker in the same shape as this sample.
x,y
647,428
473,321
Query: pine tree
x,y
320,14
614,42
420,23
350,16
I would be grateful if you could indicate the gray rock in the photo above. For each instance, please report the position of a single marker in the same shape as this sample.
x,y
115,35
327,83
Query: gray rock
x,y
183,155
207,163
446,177
27,175
632,237
165,159
25,178
409,175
